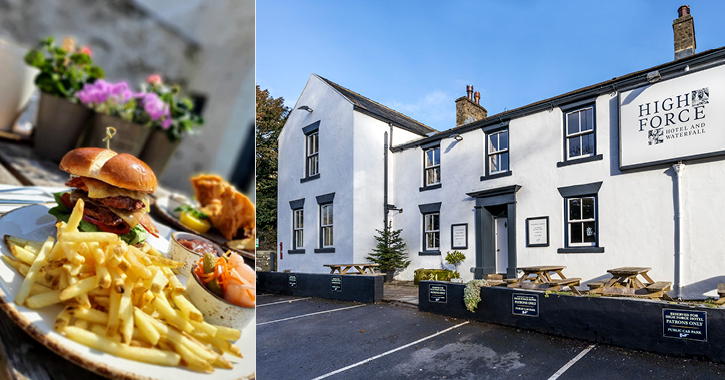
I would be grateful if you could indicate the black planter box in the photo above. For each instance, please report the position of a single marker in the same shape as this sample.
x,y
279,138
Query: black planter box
x,y
356,288
655,326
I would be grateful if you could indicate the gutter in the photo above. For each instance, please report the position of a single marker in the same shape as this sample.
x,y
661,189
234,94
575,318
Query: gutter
x,y
668,70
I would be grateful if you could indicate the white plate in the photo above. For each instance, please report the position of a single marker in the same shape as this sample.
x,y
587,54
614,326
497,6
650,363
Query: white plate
x,y
34,222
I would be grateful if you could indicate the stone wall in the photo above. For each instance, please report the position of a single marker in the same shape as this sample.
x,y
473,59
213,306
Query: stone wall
x,y
684,30
127,41
467,111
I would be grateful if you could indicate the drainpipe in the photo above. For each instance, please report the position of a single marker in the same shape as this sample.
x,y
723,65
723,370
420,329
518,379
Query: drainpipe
x,y
679,168
385,180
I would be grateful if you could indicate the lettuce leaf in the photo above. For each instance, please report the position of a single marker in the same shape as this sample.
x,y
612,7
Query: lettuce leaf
x,y
62,212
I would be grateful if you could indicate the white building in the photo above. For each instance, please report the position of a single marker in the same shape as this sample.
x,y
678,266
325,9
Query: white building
x,y
589,179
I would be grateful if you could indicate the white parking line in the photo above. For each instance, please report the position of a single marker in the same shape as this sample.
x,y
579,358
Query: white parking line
x,y
571,363
389,352
307,315
266,295
288,301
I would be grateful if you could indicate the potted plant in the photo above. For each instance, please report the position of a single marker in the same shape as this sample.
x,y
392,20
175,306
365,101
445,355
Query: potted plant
x,y
64,70
455,258
389,252
167,135
133,115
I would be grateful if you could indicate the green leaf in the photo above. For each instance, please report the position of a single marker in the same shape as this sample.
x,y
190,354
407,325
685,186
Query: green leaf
x,y
80,59
191,210
35,58
96,72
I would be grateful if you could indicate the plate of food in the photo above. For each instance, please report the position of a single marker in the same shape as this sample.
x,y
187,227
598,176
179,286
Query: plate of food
x,y
113,306
219,213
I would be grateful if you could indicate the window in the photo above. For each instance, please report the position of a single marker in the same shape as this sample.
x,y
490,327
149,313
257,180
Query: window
x,y
432,166
498,152
297,228
580,133
326,225
582,222
432,232
313,148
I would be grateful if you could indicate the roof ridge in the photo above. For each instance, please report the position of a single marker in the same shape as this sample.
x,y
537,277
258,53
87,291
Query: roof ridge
x,y
381,105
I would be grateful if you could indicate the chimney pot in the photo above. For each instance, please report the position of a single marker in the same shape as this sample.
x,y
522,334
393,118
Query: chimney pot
x,y
683,11
477,96
469,91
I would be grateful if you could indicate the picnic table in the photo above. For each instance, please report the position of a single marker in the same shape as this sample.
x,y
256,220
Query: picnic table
x,y
539,277
626,281
344,268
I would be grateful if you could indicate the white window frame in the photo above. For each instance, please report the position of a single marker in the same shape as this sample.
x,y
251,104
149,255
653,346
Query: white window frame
x,y
312,142
498,153
431,231
582,221
298,238
326,225
432,166
578,135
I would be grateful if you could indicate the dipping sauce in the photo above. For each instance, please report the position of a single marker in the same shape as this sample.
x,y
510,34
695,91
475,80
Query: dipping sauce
x,y
199,246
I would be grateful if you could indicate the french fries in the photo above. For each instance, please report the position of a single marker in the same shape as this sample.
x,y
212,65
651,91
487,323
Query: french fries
x,y
119,299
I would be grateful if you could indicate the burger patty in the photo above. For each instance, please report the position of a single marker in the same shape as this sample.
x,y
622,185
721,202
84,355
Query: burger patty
x,y
120,202
100,213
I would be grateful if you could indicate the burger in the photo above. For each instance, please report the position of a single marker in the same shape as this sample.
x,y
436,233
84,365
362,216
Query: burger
x,y
115,190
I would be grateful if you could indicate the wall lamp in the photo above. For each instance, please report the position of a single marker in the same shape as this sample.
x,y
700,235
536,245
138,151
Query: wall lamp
x,y
308,109
456,136
393,208
653,76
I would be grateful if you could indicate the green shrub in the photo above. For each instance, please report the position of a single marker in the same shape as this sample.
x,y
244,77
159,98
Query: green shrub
x,y
432,275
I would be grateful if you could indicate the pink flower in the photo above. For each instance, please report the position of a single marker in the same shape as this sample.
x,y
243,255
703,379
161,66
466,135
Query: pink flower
x,y
154,79
167,122
87,51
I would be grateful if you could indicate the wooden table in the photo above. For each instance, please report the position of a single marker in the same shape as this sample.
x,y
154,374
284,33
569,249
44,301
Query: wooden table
x,y
539,277
626,281
361,268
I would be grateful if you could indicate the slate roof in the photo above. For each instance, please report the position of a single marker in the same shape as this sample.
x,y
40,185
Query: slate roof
x,y
380,111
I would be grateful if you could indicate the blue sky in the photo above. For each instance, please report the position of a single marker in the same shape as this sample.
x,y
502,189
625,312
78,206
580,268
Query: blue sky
x,y
418,56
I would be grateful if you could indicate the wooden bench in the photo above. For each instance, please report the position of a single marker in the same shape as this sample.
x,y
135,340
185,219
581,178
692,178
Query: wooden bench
x,y
721,294
596,284
570,282
659,286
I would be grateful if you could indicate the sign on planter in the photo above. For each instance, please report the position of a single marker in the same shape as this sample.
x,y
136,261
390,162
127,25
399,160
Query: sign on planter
x,y
292,280
437,293
684,324
336,284
525,304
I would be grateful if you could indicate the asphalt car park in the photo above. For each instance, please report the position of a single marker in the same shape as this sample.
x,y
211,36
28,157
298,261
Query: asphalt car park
x,y
312,338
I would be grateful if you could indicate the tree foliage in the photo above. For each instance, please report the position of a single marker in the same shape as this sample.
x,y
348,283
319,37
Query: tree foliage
x,y
389,253
270,118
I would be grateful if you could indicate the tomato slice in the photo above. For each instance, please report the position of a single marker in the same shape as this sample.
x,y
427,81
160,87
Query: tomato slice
x,y
65,198
120,229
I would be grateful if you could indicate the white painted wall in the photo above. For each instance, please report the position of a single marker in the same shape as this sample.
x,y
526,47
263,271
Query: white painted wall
x,y
636,208
336,175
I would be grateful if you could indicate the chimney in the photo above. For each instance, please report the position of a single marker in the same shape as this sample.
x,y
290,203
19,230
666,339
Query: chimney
x,y
684,30
468,110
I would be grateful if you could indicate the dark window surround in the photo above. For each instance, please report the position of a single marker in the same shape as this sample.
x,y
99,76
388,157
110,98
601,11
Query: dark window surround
x,y
425,147
431,187
575,161
297,204
486,132
430,208
459,224
577,191
497,175
296,251
573,107
321,201
310,178
308,130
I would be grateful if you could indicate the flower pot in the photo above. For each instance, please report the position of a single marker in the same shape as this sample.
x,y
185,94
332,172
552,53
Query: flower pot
x,y
16,83
59,126
389,274
158,151
130,137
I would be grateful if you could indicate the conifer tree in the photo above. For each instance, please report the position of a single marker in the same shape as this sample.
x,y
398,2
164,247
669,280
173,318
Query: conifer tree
x,y
390,251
